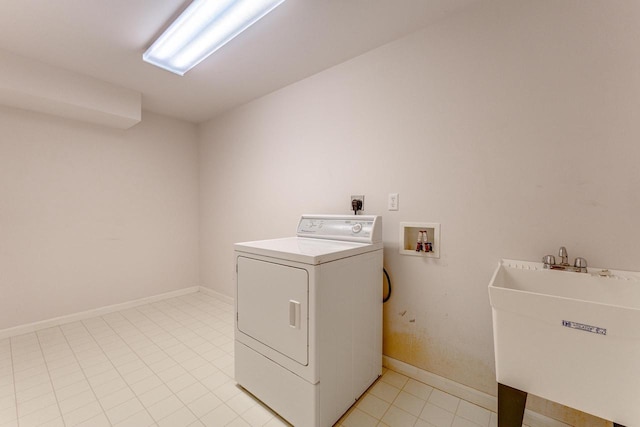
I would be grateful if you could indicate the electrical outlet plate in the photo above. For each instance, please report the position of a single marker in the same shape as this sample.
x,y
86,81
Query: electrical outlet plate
x,y
361,198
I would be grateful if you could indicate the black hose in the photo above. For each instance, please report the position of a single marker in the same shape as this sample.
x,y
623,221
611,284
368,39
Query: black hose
x,y
389,282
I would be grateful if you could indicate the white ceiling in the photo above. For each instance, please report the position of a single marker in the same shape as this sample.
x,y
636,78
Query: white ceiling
x,y
105,39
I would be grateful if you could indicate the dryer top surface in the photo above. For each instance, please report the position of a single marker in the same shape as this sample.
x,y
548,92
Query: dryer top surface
x,y
311,251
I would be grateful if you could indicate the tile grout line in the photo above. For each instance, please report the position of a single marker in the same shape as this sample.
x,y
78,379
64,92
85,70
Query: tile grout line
x,y
220,319
199,335
184,300
182,324
176,307
85,375
391,404
195,306
110,326
13,375
44,358
167,354
473,421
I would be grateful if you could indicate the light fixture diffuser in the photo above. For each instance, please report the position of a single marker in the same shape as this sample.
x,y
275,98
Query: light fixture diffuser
x,y
204,27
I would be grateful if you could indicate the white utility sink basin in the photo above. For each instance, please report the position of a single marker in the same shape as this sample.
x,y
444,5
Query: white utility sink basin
x,y
572,338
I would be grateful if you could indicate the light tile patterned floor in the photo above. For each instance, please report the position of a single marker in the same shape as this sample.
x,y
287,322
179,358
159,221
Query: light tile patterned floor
x,y
398,401
170,363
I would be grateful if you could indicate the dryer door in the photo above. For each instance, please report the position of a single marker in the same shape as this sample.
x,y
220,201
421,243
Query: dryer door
x,y
273,306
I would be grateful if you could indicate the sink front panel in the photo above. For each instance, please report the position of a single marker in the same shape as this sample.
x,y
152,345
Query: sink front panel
x,y
582,351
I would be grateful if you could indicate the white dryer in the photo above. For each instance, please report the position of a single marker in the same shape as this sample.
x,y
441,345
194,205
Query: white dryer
x,y
308,336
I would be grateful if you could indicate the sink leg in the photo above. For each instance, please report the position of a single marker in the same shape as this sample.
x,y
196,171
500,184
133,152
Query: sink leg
x,y
511,403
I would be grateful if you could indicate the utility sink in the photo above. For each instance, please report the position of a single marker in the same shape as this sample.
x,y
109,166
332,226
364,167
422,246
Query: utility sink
x,y
572,338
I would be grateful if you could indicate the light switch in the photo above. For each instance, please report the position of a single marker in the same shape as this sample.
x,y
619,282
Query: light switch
x,y
393,201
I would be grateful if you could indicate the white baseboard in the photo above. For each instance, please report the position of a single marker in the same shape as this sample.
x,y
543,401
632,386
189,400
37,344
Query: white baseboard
x,y
218,295
487,401
56,321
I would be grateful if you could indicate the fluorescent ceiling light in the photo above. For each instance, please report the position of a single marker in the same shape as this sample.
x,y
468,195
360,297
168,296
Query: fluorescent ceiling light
x,y
204,27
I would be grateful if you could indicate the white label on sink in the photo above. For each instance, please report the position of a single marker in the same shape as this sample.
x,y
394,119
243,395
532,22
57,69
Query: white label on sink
x,y
583,327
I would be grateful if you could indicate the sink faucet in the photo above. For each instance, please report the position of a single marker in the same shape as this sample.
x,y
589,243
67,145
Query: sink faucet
x,y
564,258
579,265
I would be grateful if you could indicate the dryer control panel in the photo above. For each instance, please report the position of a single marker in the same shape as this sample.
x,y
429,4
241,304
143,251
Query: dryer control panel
x,y
352,228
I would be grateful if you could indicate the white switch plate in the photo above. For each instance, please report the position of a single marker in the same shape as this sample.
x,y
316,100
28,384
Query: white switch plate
x,y
393,201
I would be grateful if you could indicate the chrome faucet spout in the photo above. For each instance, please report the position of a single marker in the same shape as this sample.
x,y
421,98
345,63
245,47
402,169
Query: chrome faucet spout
x,y
564,256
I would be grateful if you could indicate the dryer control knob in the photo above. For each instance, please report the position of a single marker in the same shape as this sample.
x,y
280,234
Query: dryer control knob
x,y
356,228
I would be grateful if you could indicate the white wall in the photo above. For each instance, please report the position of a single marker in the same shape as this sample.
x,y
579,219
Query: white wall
x,y
515,125
91,216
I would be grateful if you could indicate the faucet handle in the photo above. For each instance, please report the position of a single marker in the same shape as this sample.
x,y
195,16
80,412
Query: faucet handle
x,y
580,263
548,260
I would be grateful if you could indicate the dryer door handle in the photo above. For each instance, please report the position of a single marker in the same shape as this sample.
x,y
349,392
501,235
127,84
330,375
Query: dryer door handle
x,y
294,314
